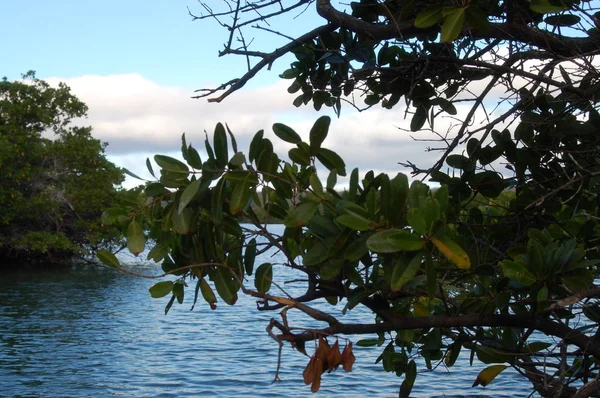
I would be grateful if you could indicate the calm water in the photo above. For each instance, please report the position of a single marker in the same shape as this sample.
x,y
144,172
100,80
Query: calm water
x,y
91,331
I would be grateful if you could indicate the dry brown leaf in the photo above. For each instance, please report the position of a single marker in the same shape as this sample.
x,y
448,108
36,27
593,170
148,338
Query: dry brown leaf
x,y
348,357
309,371
334,358
316,384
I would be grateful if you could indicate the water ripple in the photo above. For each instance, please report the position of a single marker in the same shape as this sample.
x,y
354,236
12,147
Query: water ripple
x,y
89,332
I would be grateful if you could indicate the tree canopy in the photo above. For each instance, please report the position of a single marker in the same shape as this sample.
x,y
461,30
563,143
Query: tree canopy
x,y
56,180
500,260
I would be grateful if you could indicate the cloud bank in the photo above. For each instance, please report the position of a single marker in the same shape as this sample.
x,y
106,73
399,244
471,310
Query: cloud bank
x,y
139,118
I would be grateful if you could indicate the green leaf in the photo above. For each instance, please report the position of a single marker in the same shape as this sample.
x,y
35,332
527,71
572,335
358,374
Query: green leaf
x,y
452,353
452,251
136,241
332,179
535,347
216,206
182,222
226,287
220,146
161,289
317,253
404,272
171,164
263,277
315,184
194,158
562,20
332,160
129,173
354,221
300,215
158,253
298,155
255,146
453,24
417,220
108,258
409,380
237,159
542,294
318,133
457,161
188,194
429,16
419,118
240,195
368,343
488,374
286,133
208,294
394,240
488,183
545,7
431,275
516,271
149,166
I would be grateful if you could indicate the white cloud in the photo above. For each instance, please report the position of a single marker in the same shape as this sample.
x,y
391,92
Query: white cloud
x,y
139,118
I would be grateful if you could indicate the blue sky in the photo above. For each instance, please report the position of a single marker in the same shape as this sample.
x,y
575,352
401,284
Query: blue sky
x,y
155,38
136,64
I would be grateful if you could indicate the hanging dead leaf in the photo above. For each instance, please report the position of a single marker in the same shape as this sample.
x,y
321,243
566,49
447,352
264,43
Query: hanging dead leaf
x,y
316,384
348,357
322,352
334,358
309,371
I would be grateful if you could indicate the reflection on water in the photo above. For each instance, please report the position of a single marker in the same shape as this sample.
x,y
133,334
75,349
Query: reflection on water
x,y
91,331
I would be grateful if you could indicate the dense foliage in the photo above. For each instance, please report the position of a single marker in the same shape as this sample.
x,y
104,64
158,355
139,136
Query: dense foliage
x,y
55,180
501,260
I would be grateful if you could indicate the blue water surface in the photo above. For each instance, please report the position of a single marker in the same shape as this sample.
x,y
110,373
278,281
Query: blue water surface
x,y
91,331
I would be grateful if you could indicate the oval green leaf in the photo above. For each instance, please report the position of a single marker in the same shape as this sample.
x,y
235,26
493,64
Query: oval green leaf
x,y
286,133
136,241
161,289
263,277
394,240
108,258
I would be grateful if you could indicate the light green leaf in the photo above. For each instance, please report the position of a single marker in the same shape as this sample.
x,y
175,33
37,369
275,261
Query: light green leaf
x,y
188,194
394,240
157,253
173,165
161,289
429,16
453,24
488,374
208,294
404,272
136,241
354,221
108,258
182,222
300,215
516,271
